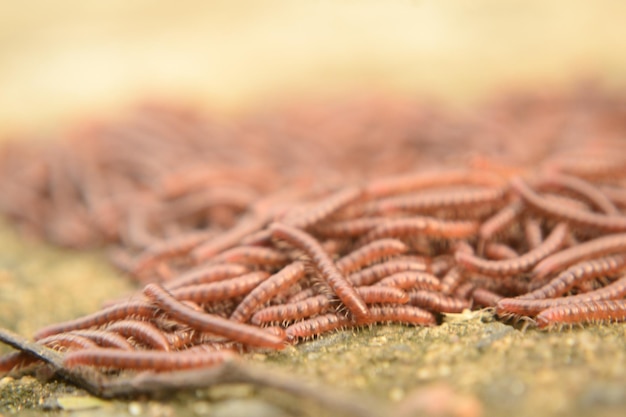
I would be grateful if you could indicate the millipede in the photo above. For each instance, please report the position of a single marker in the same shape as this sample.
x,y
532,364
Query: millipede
x,y
314,230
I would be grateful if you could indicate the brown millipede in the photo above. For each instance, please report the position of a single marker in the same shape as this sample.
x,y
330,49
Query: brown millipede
x,y
206,274
252,255
113,313
583,312
501,220
370,253
436,200
374,273
516,265
104,338
530,307
348,228
485,298
406,183
583,188
585,219
316,326
220,290
451,280
308,244
426,226
532,231
205,322
383,295
143,332
499,251
324,208
292,311
230,238
267,289
400,314
581,271
440,303
411,279
67,341
146,360
181,245
604,245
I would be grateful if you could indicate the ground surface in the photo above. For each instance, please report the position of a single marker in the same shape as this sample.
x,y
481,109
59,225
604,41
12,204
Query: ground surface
x,y
468,366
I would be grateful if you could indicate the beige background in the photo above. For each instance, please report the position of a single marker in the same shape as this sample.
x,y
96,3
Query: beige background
x,y
61,60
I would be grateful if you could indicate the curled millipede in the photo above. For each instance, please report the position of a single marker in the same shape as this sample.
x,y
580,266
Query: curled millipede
x,y
349,228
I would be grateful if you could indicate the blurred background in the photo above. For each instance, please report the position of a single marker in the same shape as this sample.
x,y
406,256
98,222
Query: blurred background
x,y
60,61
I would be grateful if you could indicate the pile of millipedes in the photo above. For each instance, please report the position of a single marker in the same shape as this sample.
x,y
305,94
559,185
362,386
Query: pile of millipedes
x,y
284,224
